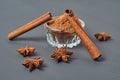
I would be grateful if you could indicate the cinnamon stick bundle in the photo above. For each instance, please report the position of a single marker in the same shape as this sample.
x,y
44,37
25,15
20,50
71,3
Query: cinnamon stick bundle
x,y
91,47
29,26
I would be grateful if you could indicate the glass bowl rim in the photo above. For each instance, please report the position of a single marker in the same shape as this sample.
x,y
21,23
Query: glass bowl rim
x,y
56,29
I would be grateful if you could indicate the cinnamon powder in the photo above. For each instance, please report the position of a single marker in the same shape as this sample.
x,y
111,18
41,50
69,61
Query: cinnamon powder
x,y
61,23
63,32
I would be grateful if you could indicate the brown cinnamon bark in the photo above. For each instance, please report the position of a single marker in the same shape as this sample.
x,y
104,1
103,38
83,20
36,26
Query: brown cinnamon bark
x,y
29,26
78,22
92,49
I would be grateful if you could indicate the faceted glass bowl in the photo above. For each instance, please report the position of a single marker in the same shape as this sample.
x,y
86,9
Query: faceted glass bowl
x,y
56,38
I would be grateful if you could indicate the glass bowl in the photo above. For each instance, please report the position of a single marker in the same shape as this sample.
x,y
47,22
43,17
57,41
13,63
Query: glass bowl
x,y
57,38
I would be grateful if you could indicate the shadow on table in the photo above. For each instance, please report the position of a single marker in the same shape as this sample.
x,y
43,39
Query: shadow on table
x,y
41,68
100,59
32,38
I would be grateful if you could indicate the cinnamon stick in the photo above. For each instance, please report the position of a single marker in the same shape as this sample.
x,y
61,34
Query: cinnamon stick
x,y
29,26
91,47
78,22
69,12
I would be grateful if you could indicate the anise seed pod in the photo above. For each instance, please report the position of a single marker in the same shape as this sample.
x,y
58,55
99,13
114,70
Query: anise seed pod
x,y
33,63
26,51
61,54
102,36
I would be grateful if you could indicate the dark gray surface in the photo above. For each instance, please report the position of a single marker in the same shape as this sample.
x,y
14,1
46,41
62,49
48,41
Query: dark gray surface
x,y
99,15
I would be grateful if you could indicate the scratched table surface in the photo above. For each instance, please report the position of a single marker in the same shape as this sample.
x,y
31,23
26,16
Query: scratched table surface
x,y
98,15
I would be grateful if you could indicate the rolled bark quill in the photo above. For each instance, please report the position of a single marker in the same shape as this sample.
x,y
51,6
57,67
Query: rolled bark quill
x,y
78,22
92,49
29,26
69,12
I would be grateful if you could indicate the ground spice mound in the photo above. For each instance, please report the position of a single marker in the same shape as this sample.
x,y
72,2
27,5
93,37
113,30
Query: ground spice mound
x,y
61,30
62,23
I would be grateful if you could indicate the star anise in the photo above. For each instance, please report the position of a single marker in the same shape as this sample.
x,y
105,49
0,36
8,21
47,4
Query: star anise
x,y
102,36
31,64
61,54
25,51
